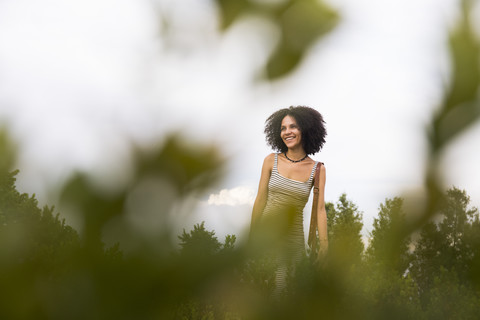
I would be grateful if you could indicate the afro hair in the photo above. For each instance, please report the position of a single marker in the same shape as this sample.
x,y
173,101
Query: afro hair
x,y
310,122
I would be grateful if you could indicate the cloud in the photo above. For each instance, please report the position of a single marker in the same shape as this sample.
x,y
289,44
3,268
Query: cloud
x,y
233,197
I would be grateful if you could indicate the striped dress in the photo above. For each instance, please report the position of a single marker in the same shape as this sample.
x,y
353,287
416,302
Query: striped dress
x,y
284,213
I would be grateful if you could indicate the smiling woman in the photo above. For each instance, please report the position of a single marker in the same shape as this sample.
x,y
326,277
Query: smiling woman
x,y
285,183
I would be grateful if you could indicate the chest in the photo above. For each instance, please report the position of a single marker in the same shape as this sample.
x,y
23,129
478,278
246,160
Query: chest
x,y
295,171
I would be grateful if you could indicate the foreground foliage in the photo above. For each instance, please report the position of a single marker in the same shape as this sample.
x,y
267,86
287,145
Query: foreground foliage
x,y
48,271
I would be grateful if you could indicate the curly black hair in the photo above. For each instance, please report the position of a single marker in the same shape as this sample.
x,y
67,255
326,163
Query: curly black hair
x,y
310,122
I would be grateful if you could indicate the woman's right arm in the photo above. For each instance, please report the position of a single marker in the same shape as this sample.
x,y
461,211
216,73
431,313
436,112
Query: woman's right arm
x,y
261,199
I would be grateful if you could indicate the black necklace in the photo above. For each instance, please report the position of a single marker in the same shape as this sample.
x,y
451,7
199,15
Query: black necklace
x,y
295,161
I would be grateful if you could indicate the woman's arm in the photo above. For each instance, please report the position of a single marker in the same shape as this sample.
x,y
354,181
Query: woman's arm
x,y
261,199
322,214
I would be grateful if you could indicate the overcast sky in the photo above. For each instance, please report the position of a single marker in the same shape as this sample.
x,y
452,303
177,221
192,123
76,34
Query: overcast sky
x,y
79,77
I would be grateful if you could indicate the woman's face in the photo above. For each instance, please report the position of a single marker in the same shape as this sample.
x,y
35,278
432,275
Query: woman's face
x,y
290,132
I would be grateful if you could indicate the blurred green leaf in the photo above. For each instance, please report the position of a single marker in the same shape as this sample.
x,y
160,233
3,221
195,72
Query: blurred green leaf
x,y
95,207
300,23
175,165
459,110
185,166
461,106
231,10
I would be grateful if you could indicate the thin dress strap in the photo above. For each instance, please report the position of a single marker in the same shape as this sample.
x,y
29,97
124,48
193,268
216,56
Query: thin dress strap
x,y
315,166
312,174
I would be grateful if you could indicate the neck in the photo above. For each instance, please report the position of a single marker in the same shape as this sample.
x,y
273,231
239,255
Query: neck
x,y
296,153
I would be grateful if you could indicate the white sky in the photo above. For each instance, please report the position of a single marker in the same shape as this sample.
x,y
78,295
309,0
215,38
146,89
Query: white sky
x,y
77,78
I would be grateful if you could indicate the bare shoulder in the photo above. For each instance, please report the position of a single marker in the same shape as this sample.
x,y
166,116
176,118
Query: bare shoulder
x,y
270,157
323,172
269,160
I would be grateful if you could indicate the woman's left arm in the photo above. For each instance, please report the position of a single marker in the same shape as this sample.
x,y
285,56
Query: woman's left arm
x,y
322,215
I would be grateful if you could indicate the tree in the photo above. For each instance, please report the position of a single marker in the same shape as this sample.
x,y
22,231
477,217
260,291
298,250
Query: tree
x,y
199,241
29,235
344,233
426,259
473,235
386,282
383,250
449,298
447,248
201,247
457,220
